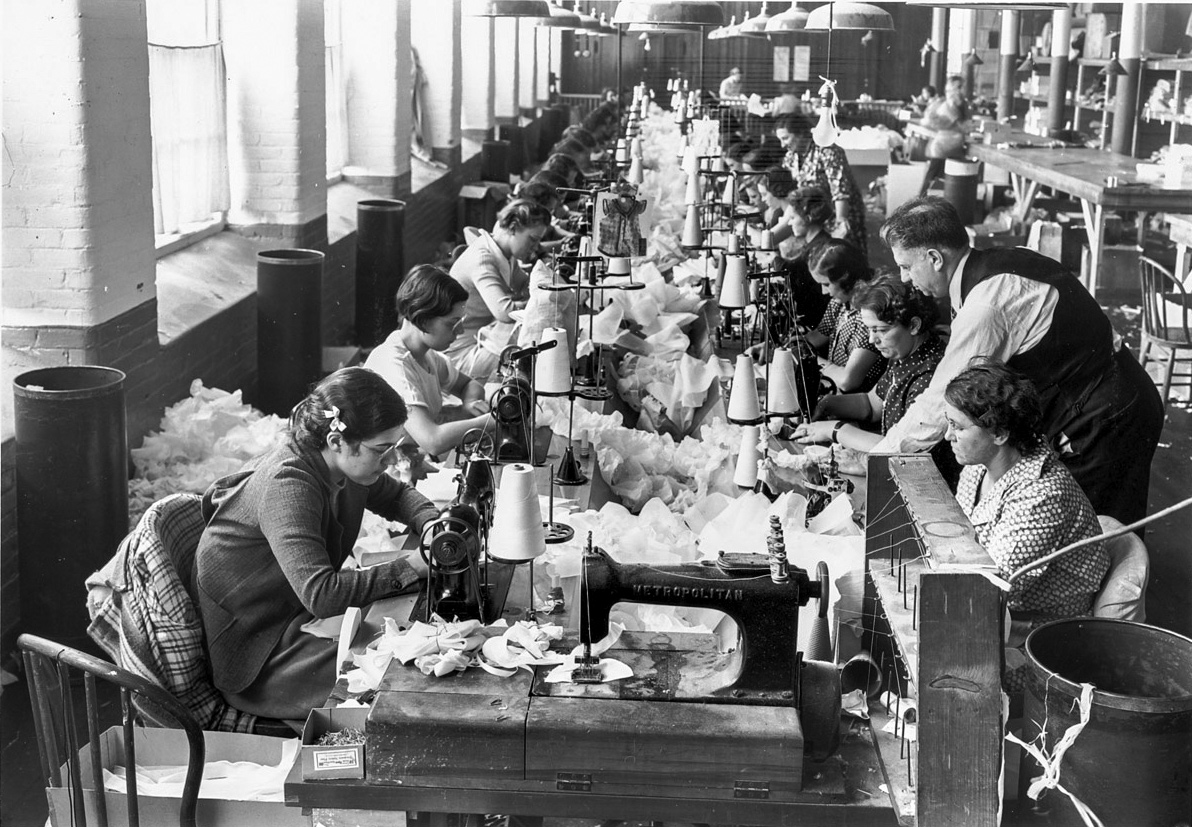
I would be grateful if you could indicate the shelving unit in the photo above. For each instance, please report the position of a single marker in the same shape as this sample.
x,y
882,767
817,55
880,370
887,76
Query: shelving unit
x,y
1154,70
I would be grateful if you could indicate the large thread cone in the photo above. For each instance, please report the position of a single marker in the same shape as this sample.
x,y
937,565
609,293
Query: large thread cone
x,y
781,398
693,234
746,471
516,535
694,196
636,174
735,292
743,406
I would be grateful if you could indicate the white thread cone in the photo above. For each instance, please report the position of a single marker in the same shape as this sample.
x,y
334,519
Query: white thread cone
x,y
742,399
516,535
780,395
552,374
733,245
693,234
729,196
636,175
618,266
691,161
684,142
734,294
746,472
767,241
694,196
635,147
622,154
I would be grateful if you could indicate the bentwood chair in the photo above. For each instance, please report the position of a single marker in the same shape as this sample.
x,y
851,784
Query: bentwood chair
x,y
51,669
1166,322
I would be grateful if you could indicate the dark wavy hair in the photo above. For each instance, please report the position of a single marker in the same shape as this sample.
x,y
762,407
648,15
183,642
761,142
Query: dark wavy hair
x,y
538,191
520,214
367,406
428,293
761,158
737,150
564,165
894,301
999,399
779,182
799,125
925,223
814,204
842,263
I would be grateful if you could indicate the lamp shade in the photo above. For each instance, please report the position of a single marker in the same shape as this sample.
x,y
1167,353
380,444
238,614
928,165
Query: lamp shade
x,y
992,5
746,471
1112,69
560,18
743,408
793,19
697,12
734,295
693,233
850,16
781,398
552,374
506,8
663,28
516,535
757,24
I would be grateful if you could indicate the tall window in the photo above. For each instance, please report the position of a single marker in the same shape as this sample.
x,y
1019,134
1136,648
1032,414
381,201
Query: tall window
x,y
337,90
188,115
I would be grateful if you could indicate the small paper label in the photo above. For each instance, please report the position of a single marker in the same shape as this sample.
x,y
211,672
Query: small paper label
x,y
339,759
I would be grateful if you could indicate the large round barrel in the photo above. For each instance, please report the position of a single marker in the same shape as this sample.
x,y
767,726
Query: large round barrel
x,y
380,267
1132,762
960,187
289,326
494,161
72,491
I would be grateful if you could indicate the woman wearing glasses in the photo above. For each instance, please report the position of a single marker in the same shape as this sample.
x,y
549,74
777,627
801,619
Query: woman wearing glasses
x,y
278,533
431,306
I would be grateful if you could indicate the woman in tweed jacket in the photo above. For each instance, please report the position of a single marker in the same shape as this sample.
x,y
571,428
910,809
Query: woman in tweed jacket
x,y
278,534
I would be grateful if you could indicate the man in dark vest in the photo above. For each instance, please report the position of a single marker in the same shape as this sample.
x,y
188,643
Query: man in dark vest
x,y
1101,412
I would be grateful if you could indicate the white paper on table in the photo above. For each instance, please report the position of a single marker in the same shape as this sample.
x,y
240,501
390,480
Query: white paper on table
x,y
229,780
440,486
610,670
836,518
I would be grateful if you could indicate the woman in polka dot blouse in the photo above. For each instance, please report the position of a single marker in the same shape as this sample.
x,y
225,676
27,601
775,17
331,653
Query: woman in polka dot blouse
x,y
1022,501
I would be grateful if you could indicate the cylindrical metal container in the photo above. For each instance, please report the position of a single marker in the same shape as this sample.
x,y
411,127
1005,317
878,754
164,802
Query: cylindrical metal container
x,y
289,326
960,187
1132,762
380,267
72,491
494,161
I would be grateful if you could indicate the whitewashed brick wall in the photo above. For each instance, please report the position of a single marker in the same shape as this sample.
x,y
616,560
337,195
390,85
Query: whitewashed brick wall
x,y
434,33
377,58
479,81
276,111
527,93
78,218
507,67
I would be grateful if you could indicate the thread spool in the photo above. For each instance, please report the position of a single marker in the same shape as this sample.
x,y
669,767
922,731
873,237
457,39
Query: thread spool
x,y
622,154
734,295
733,246
691,161
635,147
694,196
746,472
743,407
618,266
781,398
636,174
693,234
684,142
552,374
517,535
767,241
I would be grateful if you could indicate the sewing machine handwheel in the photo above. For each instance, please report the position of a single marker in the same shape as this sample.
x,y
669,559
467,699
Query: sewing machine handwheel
x,y
819,708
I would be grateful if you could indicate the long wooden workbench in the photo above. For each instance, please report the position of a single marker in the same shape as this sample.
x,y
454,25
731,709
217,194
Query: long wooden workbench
x,y
1087,175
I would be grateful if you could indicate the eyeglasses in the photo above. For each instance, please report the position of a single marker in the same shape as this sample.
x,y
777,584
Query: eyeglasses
x,y
382,453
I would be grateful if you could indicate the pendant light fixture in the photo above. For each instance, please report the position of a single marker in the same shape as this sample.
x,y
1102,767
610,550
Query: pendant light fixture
x,y
505,8
695,12
560,18
792,20
757,25
850,16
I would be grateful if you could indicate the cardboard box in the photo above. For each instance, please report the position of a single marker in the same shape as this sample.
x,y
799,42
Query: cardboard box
x,y
169,747
332,761
872,157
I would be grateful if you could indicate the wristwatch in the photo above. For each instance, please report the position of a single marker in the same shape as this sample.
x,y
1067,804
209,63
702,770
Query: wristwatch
x,y
836,431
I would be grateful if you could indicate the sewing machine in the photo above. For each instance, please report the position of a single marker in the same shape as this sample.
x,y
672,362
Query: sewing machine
x,y
691,717
452,546
513,407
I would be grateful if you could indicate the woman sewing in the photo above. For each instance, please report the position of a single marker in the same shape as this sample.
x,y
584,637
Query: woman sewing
x,y
1021,499
490,272
278,533
431,306
900,321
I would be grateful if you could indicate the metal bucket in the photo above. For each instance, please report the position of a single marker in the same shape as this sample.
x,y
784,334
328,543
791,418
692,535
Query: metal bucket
x,y
1132,762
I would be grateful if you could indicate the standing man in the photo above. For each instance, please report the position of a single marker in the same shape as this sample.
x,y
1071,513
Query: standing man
x,y
1101,412
731,87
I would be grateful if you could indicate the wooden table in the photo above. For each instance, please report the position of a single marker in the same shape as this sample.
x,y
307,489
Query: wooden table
x,y
1082,173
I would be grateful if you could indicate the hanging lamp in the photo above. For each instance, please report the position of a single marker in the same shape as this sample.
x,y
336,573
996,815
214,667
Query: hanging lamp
x,y
696,12
1027,65
973,59
560,18
991,5
741,30
850,16
757,25
588,22
1112,69
505,8
792,20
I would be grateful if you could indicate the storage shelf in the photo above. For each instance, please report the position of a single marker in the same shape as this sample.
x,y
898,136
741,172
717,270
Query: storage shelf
x,y
1167,117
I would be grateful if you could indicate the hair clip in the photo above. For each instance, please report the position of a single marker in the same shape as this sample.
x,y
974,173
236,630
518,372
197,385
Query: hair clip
x,y
336,423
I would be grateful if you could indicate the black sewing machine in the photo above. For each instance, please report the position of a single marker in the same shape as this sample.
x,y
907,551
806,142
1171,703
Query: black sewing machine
x,y
452,546
513,407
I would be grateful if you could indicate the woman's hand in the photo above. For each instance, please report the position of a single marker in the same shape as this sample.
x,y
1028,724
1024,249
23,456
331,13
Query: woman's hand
x,y
814,432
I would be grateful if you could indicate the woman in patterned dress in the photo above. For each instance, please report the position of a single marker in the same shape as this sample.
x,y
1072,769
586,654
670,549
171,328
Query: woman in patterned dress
x,y
826,167
900,321
1021,499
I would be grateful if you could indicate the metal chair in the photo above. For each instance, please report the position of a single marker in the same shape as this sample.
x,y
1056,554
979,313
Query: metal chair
x,y
1166,316
48,667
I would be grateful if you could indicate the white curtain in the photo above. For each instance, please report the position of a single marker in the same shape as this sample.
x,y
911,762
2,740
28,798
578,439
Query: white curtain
x,y
188,116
